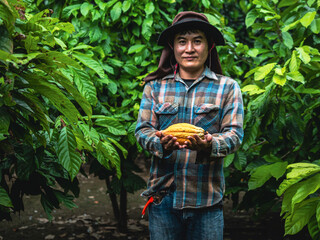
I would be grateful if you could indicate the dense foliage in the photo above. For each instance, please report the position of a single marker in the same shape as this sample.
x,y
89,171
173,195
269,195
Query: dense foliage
x,y
71,83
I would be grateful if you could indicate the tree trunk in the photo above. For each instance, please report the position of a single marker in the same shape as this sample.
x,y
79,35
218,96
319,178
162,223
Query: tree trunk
x,y
123,210
113,198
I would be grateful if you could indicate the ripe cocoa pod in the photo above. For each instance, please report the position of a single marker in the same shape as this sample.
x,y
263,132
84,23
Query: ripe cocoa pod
x,y
182,130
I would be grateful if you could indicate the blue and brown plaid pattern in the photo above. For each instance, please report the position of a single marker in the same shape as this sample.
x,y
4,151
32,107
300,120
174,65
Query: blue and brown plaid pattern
x,y
213,102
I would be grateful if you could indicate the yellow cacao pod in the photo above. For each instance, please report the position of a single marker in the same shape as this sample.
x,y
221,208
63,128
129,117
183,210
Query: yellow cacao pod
x,y
182,130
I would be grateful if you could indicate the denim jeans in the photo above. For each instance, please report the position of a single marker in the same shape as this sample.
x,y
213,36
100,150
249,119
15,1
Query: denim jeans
x,y
166,223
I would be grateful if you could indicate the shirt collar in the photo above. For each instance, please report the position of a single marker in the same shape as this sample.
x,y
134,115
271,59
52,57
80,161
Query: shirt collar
x,y
206,73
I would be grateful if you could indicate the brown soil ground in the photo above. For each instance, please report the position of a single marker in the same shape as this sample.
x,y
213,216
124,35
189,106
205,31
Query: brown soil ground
x,y
93,220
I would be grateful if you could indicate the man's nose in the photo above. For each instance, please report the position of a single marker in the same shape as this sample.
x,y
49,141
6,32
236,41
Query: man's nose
x,y
189,46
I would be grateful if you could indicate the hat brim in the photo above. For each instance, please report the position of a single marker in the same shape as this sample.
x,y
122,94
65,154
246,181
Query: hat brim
x,y
186,24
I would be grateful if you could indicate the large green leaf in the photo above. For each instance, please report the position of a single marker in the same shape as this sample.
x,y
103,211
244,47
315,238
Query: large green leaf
x,y
6,43
34,103
53,93
263,173
313,228
58,58
116,11
118,145
262,72
309,187
108,156
90,134
113,125
8,15
251,17
300,217
85,85
4,198
294,177
90,63
63,80
308,18
67,154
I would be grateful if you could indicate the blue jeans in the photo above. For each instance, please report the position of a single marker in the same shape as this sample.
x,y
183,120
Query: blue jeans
x,y
166,223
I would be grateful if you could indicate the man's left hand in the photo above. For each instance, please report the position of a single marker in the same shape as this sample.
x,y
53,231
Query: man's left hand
x,y
198,144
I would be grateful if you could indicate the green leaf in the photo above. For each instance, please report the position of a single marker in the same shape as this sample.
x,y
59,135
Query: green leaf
x,y
64,26
82,143
67,11
252,89
294,64
313,228
60,43
116,11
118,145
85,85
108,156
131,69
287,39
310,186
302,89
240,160
262,72
8,16
285,3
4,198
136,48
305,57
57,58
113,125
90,63
85,8
251,17
149,8
315,26
300,217
147,28
206,3
6,43
68,156
54,94
126,5
307,18
263,173
211,18
278,79
95,34
228,160
63,80
90,133
296,76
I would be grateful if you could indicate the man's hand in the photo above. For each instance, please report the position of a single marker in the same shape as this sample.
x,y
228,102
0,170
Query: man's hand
x,y
169,143
198,144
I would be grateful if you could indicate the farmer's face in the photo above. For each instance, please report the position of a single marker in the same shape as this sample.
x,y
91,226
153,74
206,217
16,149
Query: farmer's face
x,y
191,50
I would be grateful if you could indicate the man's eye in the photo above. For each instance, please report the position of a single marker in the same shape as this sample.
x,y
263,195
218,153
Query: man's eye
x,y
197,41
182,42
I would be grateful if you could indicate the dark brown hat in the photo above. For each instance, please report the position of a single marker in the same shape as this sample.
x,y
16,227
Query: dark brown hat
x,y
191,20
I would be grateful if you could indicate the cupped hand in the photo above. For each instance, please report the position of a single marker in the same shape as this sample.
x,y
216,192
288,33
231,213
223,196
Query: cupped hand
x,y
169,142
198,144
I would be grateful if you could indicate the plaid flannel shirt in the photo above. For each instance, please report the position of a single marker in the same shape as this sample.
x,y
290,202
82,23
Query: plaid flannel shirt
x,y
213,102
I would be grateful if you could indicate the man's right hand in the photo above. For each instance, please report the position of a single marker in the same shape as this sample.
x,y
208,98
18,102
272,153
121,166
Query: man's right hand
x,y
169,143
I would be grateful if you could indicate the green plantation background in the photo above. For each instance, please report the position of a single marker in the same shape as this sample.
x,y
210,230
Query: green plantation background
x,y
71,82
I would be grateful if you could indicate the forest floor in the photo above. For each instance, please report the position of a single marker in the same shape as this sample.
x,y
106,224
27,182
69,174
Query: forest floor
x,y
93,220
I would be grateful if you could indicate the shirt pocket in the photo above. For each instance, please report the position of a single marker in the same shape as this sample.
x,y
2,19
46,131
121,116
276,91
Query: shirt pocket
x,y
167,114
207,117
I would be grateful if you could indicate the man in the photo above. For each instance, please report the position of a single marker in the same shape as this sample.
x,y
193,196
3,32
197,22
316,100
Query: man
x,y
186,183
